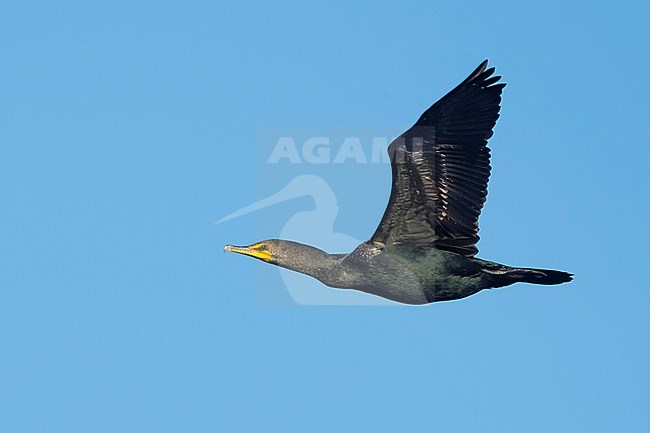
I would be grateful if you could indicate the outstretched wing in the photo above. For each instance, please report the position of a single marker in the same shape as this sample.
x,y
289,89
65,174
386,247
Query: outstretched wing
x,y
441,168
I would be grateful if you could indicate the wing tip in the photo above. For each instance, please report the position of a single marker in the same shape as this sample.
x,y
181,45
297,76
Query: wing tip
x,y
478,71
483,77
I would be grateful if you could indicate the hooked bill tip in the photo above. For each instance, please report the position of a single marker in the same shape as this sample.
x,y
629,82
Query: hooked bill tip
x,y
227,248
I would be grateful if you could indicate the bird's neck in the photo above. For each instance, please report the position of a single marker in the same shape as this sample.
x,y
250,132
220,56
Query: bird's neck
x,y
311,261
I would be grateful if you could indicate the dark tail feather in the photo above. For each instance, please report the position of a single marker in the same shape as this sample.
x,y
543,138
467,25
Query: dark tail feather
x,y
544,276
530,275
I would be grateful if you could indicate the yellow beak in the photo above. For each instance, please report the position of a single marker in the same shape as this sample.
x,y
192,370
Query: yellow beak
x,y
252,250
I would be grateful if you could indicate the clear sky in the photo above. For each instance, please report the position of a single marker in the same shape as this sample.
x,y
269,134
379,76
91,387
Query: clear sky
x,y
128,128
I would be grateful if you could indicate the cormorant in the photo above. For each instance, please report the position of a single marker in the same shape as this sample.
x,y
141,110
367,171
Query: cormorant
x,y
423,250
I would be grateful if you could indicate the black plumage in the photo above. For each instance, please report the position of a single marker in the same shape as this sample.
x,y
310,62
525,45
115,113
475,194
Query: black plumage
x,y
441,168
423,249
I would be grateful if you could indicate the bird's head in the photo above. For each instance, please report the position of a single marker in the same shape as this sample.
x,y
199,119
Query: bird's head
x,y
287,254
270,251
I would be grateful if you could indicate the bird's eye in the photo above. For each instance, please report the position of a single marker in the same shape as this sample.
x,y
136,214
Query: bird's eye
x,y
263,248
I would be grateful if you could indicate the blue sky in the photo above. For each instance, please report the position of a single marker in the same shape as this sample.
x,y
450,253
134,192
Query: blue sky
x,y
129,128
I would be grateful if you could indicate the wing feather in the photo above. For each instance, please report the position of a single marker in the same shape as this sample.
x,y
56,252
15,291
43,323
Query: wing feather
x,y
441,168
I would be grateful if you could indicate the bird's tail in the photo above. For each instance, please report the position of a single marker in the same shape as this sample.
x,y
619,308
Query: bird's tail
x,y
528,275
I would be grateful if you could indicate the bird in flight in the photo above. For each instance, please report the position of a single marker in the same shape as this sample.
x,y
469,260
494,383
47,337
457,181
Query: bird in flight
x,y
424,248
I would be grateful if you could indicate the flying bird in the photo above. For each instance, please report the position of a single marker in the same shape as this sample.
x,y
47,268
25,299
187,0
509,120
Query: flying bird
x,y
424,248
